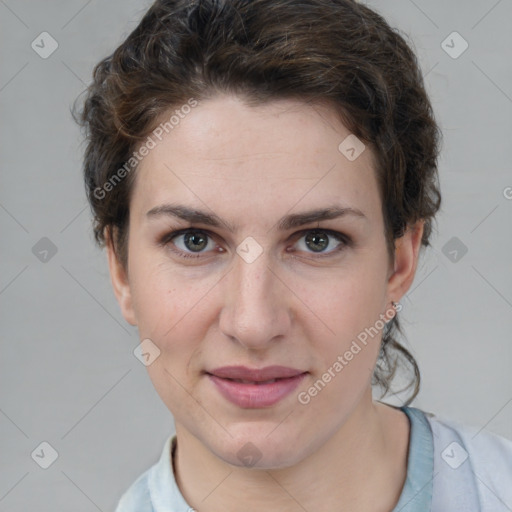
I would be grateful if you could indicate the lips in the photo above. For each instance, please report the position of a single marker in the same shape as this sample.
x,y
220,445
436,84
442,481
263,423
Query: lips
x,y
256,375
255,388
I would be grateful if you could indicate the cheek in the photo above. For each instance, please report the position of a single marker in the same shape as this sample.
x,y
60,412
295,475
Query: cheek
x,y
346,352
171,313
347,301
346,328
162,297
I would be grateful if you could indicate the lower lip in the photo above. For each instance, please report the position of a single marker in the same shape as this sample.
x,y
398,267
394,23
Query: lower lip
x,y
253,396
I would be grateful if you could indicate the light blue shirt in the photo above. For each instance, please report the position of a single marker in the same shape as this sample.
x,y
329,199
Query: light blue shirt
x,y
450,468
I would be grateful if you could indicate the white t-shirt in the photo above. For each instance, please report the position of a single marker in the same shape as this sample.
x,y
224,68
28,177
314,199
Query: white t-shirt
x,y
451,468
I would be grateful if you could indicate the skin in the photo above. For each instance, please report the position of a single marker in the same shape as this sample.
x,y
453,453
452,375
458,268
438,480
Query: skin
x,y
291,307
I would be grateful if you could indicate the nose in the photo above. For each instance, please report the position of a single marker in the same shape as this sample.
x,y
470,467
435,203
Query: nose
x,y
256,304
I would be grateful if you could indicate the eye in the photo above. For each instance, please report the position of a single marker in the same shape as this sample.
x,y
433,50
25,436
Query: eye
x,y
319,240
192,243
188,242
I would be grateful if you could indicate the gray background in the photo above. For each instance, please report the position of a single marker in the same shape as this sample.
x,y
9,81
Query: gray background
x,y
68,373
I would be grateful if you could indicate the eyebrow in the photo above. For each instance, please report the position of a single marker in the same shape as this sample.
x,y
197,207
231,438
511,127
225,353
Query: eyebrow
x,y
290,221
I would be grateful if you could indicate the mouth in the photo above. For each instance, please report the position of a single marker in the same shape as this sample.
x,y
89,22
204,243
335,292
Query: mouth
x,y
241,381
252,375
255,388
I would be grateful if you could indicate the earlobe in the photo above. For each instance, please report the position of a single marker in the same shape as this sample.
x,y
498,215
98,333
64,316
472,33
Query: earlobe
x,y
407,250
120,283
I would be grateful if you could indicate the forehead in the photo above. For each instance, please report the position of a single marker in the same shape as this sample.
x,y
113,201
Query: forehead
x,y
224,151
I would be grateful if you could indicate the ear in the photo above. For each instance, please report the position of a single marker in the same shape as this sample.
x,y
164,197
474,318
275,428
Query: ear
x,y
407,249
120,283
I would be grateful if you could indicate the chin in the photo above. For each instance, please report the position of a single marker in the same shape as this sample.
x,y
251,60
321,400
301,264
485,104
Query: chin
x,y
255,448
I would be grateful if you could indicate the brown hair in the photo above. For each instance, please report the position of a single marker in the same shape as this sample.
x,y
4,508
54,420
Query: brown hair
x,y
337,52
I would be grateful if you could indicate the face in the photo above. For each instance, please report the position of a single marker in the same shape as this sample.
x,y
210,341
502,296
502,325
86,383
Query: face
x,y
255,282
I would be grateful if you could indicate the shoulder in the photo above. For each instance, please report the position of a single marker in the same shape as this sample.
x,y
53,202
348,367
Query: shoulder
x,y
471,464
137,497
482,447
155,490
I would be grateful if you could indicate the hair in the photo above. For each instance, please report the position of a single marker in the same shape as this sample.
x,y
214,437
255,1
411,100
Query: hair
x,y
334,52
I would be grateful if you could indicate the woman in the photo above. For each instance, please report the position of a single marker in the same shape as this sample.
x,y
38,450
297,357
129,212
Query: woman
x,y
263,175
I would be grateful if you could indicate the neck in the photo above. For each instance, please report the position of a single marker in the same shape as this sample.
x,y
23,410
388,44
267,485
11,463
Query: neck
x,y
361,467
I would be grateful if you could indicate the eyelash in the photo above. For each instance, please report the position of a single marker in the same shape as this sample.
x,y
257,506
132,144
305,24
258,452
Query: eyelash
x,y
345,241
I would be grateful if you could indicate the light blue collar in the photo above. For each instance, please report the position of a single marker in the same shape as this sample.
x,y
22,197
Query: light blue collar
x,y
417,492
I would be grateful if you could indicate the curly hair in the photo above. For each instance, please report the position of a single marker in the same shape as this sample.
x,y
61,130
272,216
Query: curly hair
x,y
337,52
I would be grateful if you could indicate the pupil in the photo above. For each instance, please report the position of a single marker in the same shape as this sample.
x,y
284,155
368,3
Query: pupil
x,y
317,240
197,241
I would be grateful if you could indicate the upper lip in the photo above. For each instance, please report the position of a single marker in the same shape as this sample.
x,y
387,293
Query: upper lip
x,y
255,374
